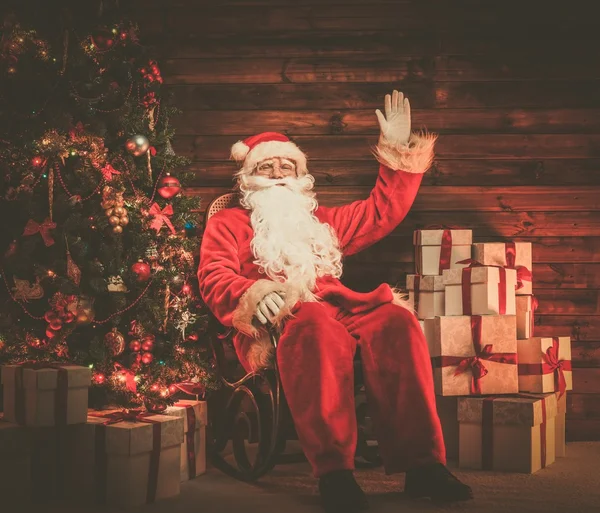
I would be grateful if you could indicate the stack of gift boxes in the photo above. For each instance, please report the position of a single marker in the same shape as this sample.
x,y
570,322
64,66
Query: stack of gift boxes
x,y
53,447
500,391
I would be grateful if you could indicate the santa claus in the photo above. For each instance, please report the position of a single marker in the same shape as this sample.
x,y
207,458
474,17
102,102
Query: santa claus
x,y
278,258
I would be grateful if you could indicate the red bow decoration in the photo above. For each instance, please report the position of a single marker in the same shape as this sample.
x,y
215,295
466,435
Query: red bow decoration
x,y
161,217
108,171
557,366
32,227
129,377
191,388
523,274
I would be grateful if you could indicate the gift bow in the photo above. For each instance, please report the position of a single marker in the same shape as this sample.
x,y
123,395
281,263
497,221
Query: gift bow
x,y
136,415
108,171
32,227
161,217
523,274
557,366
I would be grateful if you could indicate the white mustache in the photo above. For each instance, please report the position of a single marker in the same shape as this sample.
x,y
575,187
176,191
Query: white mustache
x,y
256,183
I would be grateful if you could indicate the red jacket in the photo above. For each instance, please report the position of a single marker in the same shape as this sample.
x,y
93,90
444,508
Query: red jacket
x,y
231,285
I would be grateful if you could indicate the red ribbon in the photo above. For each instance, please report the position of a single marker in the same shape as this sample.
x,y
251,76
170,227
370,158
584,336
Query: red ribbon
x,y
550,365
534,306
523,274
100,446
161,217
475,363
61,397
445,250
466,286
190,438
487,429
32,227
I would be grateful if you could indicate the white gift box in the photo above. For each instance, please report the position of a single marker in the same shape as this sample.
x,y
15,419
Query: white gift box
x,y
46,396
433,247
543,363
426,295
485,292
473,355
140,461
517,255
193,448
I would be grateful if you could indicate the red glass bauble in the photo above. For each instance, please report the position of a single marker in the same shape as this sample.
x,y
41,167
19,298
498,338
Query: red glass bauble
x,y
168,186
103,39
50,316
142,270
56,324
115,342
147,345
147,358
135,345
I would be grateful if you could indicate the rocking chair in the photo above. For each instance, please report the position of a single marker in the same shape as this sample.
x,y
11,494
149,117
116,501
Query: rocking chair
x,y
249,410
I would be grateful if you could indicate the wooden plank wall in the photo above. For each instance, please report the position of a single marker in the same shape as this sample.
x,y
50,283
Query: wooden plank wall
x,y
512,88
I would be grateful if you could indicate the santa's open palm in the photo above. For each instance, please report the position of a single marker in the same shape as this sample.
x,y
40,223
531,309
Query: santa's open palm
x,y
395,125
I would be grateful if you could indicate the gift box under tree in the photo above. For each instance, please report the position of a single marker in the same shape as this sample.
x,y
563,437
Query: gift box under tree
x,y
193,448
473,355
41,394
480,291
137,457
436,250
511,255
507,433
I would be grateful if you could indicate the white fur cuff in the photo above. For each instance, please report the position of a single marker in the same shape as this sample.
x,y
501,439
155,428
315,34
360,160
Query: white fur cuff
x,y
414,157
243,314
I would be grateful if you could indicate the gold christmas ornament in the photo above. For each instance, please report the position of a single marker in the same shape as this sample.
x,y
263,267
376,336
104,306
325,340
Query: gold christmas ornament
x,y
24,291
113,204
115,341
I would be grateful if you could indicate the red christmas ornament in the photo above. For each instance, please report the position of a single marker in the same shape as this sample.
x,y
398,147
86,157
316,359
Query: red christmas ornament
x,y
168,186
142,269
103,39
147,345
135,345
147,358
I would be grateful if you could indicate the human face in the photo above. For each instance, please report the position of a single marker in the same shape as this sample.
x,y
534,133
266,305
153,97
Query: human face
x,y
276,167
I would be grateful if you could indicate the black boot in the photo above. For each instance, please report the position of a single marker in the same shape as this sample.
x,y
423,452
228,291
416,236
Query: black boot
x,y
340,493
436,482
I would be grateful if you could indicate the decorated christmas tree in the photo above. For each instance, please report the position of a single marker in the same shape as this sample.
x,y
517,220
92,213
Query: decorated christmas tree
x,y
99,244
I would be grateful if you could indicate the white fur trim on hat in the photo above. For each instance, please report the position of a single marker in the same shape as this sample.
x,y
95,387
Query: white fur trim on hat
x,y
239,151
267,150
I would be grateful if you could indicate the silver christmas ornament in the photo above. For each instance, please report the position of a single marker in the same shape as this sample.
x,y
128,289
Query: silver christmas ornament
x,y
137,145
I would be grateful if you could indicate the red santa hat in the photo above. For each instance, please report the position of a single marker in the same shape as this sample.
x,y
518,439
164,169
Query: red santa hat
x,y
257,148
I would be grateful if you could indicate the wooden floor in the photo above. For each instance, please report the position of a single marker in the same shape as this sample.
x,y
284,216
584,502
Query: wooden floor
x,y
571,485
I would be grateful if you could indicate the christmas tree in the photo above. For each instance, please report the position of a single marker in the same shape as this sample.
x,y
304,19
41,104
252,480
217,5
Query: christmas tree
x,y
99,245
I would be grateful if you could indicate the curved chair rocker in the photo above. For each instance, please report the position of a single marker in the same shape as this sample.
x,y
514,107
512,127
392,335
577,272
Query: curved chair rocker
x,y
250,409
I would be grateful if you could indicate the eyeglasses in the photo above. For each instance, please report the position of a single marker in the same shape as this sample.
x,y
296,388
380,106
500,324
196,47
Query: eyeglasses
x,y
283,167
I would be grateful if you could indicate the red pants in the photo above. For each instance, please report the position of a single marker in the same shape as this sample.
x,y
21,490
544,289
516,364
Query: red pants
x,y
315,355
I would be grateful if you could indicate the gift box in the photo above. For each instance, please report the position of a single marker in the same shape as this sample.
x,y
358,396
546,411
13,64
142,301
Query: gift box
x,y
512,255
526,306
545,365
436,250
561,416
15,463
426,295
447,409
45,394
473,355
507,433
480,291
193,448
137,456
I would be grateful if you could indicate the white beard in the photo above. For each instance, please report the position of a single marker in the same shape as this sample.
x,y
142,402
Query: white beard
x,y
290,244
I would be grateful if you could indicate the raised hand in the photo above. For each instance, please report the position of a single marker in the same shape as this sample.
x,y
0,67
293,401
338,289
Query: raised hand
x,y
269,306
395,125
